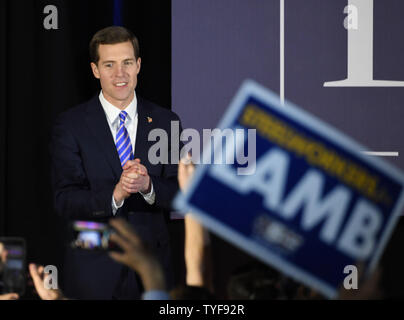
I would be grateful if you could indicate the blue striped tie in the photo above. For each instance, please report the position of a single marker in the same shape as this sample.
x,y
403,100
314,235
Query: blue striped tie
x,y
123,144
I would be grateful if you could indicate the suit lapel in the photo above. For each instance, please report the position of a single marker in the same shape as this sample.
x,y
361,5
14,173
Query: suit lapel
x,y
143,128
98,126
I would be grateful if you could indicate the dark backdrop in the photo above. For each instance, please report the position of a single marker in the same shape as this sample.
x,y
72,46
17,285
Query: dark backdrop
x,y
44,72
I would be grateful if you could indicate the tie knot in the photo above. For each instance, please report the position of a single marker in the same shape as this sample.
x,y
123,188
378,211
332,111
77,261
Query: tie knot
x,y
123,115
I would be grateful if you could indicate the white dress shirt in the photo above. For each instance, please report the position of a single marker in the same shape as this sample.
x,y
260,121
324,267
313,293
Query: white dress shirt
x,y
112,114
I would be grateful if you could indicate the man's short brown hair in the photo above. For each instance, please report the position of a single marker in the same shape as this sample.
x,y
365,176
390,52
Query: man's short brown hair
x,y
112,35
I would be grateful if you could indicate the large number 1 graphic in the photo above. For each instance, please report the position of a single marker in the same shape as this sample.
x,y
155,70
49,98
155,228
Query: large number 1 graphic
x,y
359,24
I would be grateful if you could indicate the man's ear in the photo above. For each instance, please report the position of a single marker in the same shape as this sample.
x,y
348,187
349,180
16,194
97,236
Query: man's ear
x,y
138,63
94,67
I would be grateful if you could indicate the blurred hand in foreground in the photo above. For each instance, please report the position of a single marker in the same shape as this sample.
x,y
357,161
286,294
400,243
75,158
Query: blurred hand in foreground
x,y
136,256
38,276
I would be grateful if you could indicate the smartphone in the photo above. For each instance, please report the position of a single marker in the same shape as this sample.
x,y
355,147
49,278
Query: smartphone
x,y
12,265
90,235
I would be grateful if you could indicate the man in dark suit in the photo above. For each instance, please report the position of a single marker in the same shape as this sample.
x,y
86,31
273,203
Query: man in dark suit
x,y
101,168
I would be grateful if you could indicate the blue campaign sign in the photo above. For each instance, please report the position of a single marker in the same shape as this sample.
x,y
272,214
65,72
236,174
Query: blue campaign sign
x,y
312,202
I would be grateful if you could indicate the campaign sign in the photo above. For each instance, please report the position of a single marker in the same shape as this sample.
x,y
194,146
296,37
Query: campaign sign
x,y
311,204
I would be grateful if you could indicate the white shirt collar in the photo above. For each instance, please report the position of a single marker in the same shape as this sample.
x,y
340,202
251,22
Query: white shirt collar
x,y
113,112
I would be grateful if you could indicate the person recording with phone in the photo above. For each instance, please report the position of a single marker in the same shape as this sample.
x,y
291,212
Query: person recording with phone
x,y
134,254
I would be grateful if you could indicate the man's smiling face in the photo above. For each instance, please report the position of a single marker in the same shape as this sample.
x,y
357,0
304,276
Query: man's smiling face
x,y
117,69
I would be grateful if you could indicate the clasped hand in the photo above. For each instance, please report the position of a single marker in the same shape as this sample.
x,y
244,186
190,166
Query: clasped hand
x,y
134,178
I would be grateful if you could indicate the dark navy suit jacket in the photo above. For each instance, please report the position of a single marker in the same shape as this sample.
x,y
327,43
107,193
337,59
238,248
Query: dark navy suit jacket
x,y
85,170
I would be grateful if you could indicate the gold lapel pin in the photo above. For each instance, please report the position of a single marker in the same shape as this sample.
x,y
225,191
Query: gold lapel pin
x,y
149,120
